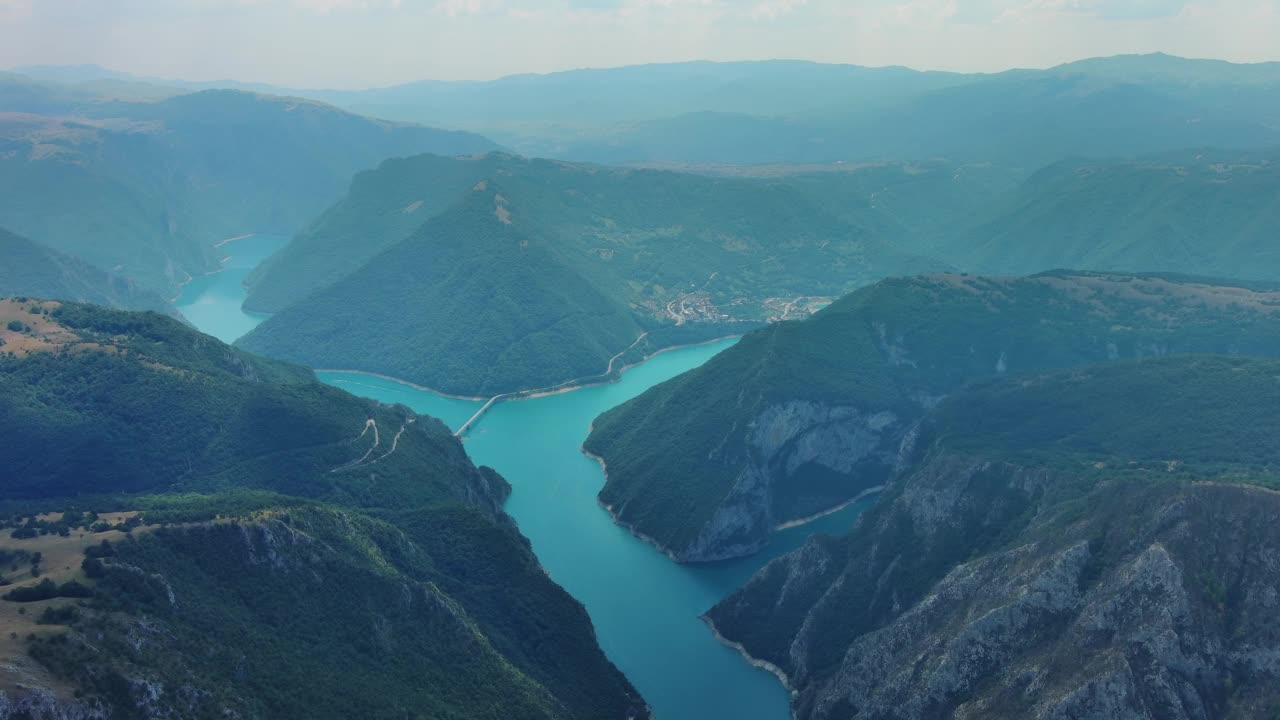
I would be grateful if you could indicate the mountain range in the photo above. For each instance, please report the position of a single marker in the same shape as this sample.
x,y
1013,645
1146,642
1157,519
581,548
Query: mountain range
x,y
792,111
540,271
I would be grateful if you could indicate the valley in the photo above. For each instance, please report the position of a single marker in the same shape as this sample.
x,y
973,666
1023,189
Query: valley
x,y
646,609
696,390
213,301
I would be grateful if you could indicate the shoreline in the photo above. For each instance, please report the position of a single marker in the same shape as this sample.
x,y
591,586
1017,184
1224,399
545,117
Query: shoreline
x,y
624,524
654,542
607,378
222,263
799,522
646,358
220,243
399,381
604,468
751,660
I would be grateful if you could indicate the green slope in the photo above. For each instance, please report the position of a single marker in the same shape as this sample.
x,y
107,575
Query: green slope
x,y
322,556
144,189
32,270
381,208
469,304
800,417
1202,212
1094,533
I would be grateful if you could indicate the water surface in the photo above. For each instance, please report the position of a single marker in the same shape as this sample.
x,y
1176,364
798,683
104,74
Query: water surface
x,y
645,607
212,302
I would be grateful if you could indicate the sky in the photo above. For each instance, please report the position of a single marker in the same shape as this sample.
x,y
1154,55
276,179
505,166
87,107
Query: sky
x,y
364,43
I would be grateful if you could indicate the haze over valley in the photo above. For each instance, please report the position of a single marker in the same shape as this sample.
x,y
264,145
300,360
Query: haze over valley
x,y
655,375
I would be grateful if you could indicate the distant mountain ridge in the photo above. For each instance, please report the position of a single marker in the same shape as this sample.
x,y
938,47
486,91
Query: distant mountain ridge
x,y
812,112
144,189
1207,212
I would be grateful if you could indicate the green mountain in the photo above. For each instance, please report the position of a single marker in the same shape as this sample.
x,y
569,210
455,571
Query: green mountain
x,y
145,189
275,548
1092,543
542,271
1203,212
468,304
803,416
33,270
382,207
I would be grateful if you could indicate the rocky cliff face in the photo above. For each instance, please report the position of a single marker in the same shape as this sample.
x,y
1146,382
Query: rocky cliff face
x,y
1031,561
800,456
1168,618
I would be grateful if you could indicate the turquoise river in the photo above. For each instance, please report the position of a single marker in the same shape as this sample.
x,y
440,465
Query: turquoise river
x,y
645,607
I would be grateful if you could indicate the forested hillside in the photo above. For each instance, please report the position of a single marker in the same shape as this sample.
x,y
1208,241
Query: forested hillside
x,y
470,304
1211,212
275,548
33,270
803,416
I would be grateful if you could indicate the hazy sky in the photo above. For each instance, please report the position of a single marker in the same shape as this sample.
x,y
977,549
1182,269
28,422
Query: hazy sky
x,y
353,43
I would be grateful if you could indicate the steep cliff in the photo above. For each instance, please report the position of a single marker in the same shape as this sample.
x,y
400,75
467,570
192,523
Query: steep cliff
x,y
804,416
1097,543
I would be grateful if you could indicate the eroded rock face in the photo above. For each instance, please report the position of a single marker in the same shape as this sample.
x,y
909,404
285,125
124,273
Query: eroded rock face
x,y
1158,604
804,457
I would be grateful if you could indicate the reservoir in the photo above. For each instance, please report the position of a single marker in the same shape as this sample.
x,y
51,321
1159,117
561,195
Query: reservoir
x,y
212,302
645,607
